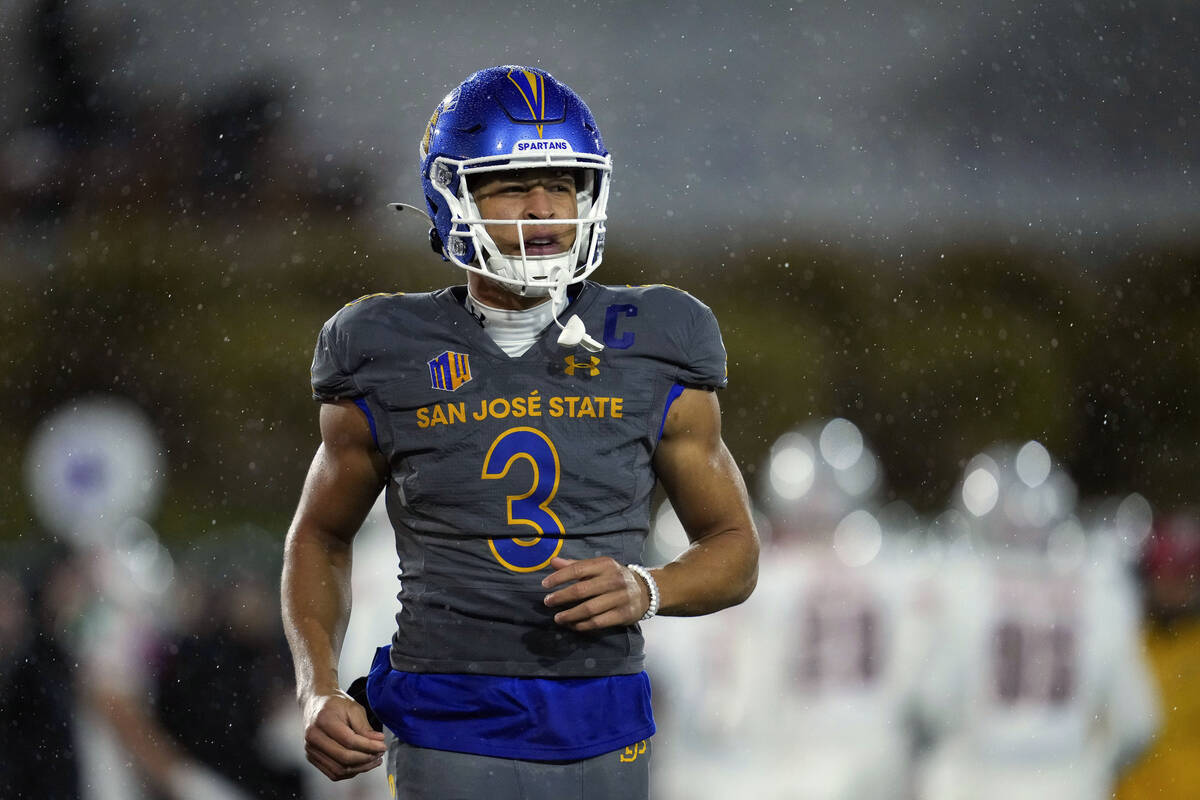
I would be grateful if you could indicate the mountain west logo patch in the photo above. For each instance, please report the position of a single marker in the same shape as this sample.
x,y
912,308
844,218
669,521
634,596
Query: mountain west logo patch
x,y
449,370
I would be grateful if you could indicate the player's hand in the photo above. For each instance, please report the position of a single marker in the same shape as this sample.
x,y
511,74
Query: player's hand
x,y
338,739
595,593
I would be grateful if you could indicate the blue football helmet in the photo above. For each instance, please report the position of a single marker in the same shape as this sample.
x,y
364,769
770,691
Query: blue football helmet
x,y
506,118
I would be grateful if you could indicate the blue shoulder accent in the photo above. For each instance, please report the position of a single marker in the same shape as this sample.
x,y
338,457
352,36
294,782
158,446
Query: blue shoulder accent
x,y
672,396
361,403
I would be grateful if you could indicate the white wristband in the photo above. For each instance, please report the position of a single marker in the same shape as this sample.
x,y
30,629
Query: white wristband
x,y
644,574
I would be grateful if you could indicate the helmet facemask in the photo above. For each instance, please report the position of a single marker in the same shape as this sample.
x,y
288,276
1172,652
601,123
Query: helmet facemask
x,y
512,118
470,246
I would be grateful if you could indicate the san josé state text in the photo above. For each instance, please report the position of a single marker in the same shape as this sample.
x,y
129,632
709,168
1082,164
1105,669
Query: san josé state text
x,y
532,405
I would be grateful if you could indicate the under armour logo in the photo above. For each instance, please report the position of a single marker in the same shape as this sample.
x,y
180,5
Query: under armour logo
x,y
591,365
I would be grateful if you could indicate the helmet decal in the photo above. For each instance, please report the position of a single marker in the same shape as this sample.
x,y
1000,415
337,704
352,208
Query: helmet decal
x,y
448,104
437,112
529,145
536,98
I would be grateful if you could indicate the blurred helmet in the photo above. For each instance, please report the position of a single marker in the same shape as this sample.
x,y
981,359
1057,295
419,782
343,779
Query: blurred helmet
x,y
92,464
511,118
816,475
94,472
1018,498
1118,527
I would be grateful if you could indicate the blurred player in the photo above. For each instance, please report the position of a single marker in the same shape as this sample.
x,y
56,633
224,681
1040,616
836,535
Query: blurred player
x,y
1039,689
94,472
806,691
518,425
699,666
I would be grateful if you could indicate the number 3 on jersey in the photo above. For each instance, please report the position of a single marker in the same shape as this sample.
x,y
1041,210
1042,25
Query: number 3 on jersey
x,y
532,508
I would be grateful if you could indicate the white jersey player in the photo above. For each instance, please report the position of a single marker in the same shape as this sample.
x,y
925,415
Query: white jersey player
x,y
842,642
702,748
807,693
1039,689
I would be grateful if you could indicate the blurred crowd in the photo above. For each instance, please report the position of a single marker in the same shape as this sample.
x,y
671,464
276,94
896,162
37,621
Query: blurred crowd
x,y
130,670
85,143
1024,642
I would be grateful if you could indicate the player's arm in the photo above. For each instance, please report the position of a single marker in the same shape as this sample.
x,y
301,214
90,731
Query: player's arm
x,y
343,481
720,567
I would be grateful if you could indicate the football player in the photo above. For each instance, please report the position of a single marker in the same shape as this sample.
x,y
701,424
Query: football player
x,y
1039,688
810,694
518,425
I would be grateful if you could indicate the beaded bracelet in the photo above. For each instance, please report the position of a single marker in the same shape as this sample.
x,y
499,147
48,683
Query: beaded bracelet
x,y
652,585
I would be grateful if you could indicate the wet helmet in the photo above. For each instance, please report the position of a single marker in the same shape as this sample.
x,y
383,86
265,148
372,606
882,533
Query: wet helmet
x,y
513,118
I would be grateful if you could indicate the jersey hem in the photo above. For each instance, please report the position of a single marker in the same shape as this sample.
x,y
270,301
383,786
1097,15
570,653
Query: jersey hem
x,y
576,753
508,669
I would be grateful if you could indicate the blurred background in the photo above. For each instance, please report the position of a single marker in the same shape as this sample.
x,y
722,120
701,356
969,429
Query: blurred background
x,y
951,225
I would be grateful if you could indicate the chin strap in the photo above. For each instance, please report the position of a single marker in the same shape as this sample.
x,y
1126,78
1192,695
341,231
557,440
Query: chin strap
x,y
573,333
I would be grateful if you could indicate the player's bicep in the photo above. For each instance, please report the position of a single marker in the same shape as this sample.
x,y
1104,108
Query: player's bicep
x,y
346,475
697,470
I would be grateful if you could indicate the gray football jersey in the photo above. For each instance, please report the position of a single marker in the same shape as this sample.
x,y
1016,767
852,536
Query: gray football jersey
x,y
499,464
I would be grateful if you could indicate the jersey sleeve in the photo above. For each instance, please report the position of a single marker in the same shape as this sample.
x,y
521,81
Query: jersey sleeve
x,y
331,380
704,361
